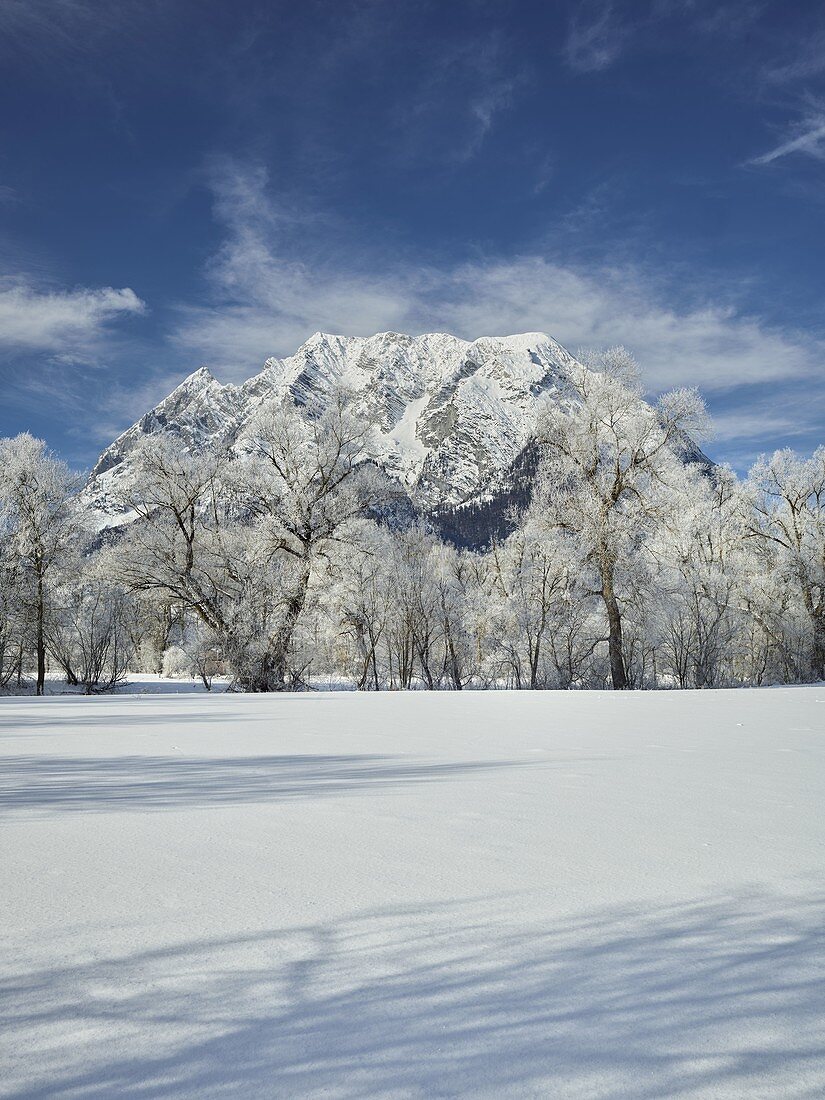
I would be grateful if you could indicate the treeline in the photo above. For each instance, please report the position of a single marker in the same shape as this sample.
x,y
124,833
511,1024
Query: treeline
x,y
278,564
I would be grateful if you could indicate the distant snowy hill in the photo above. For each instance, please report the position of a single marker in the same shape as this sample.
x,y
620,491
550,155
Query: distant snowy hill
x,y
451,418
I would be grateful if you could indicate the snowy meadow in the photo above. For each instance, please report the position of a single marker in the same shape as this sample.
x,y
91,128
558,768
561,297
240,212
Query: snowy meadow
x,y
486,894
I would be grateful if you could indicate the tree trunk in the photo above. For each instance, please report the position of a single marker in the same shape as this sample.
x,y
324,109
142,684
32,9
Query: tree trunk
x,y
454,670
618,671
818,649
423,656
534,649
277,664
374,644
40,640
817,616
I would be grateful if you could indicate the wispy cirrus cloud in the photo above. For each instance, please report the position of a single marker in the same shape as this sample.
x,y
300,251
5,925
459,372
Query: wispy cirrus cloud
x,y
801,60
595,37
68,323
715,17
806,138
483,110
460,92
24,23
44,30
599,32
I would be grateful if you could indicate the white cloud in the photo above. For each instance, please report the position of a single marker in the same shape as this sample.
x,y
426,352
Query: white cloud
x,y
762,422
23,22
63,322
807,138
757,422
713,347
267,302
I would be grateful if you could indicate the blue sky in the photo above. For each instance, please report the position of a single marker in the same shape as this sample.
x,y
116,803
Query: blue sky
x,y
186,183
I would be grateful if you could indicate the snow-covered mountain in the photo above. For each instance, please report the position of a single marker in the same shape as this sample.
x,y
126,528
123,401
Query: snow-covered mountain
x,y
451,418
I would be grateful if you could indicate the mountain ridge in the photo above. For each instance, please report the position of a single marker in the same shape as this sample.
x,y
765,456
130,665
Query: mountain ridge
x,y
449,417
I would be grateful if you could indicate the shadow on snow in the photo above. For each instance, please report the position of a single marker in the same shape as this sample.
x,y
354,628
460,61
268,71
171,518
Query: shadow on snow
x,y
718,997
106,784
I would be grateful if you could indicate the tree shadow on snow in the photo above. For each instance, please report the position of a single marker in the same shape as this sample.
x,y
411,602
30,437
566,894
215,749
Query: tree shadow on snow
x,y
104,784
722,997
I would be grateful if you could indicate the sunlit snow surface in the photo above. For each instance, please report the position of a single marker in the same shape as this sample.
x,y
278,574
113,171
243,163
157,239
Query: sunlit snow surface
x,y
424,895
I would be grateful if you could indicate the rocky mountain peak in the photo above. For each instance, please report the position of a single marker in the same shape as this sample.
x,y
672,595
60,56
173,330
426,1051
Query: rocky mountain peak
x,y
449,418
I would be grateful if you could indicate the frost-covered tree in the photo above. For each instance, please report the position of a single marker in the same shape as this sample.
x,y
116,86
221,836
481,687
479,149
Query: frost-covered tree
x,y
194,556
401,608
236,540
413,636
195,653
307,485
172,550
454,581
91,630
12,619
610,465
360,608
787,519
276,562
702,565
37,529
531,578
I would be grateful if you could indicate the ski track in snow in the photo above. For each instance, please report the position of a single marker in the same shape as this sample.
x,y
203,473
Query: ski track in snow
x,y
424,895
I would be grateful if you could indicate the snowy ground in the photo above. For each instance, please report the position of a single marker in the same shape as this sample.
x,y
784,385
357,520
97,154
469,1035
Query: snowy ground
x,y
426,895
142,683
146,683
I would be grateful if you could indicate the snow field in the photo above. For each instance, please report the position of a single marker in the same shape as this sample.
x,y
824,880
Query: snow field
x,y
414,895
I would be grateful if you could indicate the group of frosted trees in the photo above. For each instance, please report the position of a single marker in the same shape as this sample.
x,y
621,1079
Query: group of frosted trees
x,y
283,563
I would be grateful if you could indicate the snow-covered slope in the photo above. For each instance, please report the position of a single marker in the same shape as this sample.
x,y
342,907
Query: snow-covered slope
x,y
490,895
449,416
